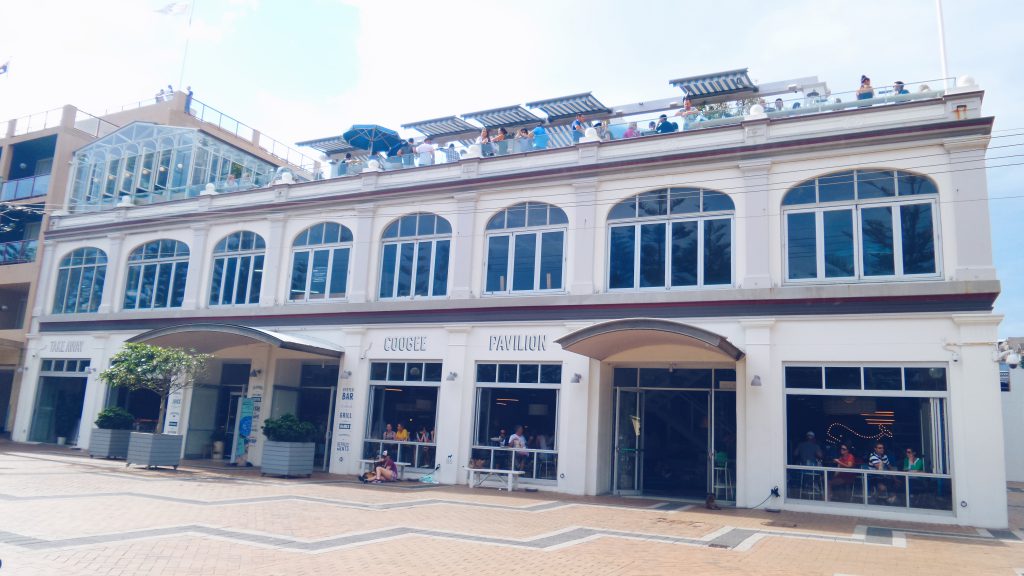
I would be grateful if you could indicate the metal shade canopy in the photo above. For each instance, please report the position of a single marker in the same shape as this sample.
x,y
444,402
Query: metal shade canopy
x,y
210,337
718,87
442,127
329,145
499,117
569,106
371,137
649,339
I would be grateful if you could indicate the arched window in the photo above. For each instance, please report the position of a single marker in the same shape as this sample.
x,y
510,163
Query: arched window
x,y
320,257
414,258
526,249
861,224
80,281
670,238
156,275
237,269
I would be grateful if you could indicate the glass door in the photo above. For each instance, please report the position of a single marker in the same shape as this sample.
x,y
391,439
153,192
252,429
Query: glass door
x,y
676,441
628,446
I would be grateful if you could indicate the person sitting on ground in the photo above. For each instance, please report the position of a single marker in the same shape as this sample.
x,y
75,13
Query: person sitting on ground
x,y
631,131
385,470
402,434
389,433
899,88
912,463
866,91
807,452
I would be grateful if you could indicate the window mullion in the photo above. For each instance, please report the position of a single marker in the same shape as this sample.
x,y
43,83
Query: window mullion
x,y
537,258
858,251
667,255
430,268
897,239
637,251
309,275
330,277
819,244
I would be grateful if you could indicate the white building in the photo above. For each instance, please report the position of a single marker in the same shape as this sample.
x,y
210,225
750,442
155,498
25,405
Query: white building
x,y
1011,382
665,315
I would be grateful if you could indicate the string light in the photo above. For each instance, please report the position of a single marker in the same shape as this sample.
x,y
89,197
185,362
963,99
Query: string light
x,y
883,432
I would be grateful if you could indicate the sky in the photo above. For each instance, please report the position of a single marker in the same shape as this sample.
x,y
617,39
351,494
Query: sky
x,y
303,69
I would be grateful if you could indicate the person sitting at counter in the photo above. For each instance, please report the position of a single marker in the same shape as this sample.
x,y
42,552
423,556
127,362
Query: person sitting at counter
x,y
389,433
517,441
402,434
912,463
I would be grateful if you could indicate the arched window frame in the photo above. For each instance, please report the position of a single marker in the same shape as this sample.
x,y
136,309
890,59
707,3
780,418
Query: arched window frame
x,y
80,277
326,246
156,275
526,249
409,243
677,213
832,212
238,254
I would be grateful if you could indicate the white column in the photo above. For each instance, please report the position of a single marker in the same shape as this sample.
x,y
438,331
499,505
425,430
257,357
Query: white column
x,y
95,390
363,277
354,373
572,418
198,261
273,262
47,270
456,405
114,280
759,418
753,266
583,255
463,244
966,205
975,426
27,394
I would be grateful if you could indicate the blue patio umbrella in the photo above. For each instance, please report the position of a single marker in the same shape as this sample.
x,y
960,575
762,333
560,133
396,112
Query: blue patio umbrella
x,y
371,137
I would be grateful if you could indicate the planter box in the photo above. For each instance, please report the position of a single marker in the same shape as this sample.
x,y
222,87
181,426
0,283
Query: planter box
x,y
109,443
154,450
287,458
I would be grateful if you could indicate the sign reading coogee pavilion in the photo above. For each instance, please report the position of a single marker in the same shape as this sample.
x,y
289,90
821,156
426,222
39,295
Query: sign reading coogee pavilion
x,y
518,343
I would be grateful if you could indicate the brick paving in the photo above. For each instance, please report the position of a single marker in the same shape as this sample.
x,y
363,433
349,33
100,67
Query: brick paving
x,y
62,513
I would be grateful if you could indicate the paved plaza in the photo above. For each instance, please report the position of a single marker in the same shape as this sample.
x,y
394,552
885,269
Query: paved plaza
x,y
62,513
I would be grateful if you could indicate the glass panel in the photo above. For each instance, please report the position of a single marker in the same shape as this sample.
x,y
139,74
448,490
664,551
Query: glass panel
x,y
486,372
836,187
97,289
217,281
883,379
497,263
925,379
685,200
161,290
556,216
551,247
407,226
443,248
550,373
523,265
529,373
845,487
432,372
508,372
414,371
913,185
396,372
622,252
339,273
497,222
918,239
653,203
387,271
378,371
537,214
805,485
875,184
443,226
652,255
690,378
801,246
842,378
876,239
426,224
300,264
74,285
886,490
257,280
624,209
178,286
930,493
627,377
684,253
516,216
318,275
803,377
839,262
717,202
801,194
717,252
405,259
316,234
423,268
131,288
85,290
59,303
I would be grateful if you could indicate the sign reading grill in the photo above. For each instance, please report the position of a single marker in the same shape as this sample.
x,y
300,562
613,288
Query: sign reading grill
x,y
518,343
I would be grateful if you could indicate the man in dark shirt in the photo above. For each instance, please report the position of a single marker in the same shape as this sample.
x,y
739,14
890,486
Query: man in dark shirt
x,y
807,452
664,126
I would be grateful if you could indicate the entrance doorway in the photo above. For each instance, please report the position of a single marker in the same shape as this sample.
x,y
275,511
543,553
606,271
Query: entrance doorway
x,y
313,401
59,401
213,411
675,432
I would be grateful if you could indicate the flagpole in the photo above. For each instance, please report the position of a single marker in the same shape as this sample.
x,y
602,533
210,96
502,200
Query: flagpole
x,y
188,37
942,44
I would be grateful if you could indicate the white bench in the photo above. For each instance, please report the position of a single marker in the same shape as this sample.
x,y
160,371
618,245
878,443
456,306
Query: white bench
x,y
485,473
370,463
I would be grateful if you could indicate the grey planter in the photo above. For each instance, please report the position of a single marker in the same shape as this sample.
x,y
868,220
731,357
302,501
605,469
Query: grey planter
x,y
109,443
153,450
287,458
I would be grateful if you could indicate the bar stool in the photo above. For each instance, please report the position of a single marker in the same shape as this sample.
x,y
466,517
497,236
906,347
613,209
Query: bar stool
x,y
810,485
721,477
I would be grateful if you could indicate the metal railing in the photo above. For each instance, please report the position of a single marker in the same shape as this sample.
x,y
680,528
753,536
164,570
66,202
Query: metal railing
x,y
38,121
25,187
18,252
92,125
420,455
919,490
536,464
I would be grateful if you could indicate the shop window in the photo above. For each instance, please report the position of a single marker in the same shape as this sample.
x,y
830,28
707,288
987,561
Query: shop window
x,y
402,415
860,438
516,419
526,249
671,238
320,257
414,256
861,224
80,281
156,275
237,269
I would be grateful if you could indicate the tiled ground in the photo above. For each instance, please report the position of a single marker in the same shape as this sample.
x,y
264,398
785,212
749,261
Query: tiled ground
x,y
62,513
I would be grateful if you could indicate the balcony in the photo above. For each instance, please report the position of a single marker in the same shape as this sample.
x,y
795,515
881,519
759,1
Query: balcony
x,y
25,188
18,252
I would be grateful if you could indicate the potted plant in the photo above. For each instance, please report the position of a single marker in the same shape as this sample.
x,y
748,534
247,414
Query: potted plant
x,y
110,440
164,371
289,448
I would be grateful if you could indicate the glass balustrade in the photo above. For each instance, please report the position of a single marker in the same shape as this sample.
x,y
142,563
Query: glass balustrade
x,y
18,252
25,187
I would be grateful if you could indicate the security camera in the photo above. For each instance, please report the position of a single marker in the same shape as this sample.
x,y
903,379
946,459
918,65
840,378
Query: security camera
x,y
1013,360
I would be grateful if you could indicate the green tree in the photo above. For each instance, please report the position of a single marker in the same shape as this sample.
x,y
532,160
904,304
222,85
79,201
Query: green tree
x,y
162,370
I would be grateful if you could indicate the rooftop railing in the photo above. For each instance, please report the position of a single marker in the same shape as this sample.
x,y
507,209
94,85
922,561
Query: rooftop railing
x,y
648,125
38,121
25,188
92,125
18,252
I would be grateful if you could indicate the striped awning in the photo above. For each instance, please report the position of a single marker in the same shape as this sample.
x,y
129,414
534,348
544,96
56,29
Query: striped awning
x,y
329,145
441,127
569,106
717,87
559,136
507,116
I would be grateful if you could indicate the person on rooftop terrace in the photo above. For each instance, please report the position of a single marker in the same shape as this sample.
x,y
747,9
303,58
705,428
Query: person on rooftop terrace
x,y
425,151
484,140
688,113
631,131
523,140
866,91
450,153
540,137
899,88
664,126
778,104
579,126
